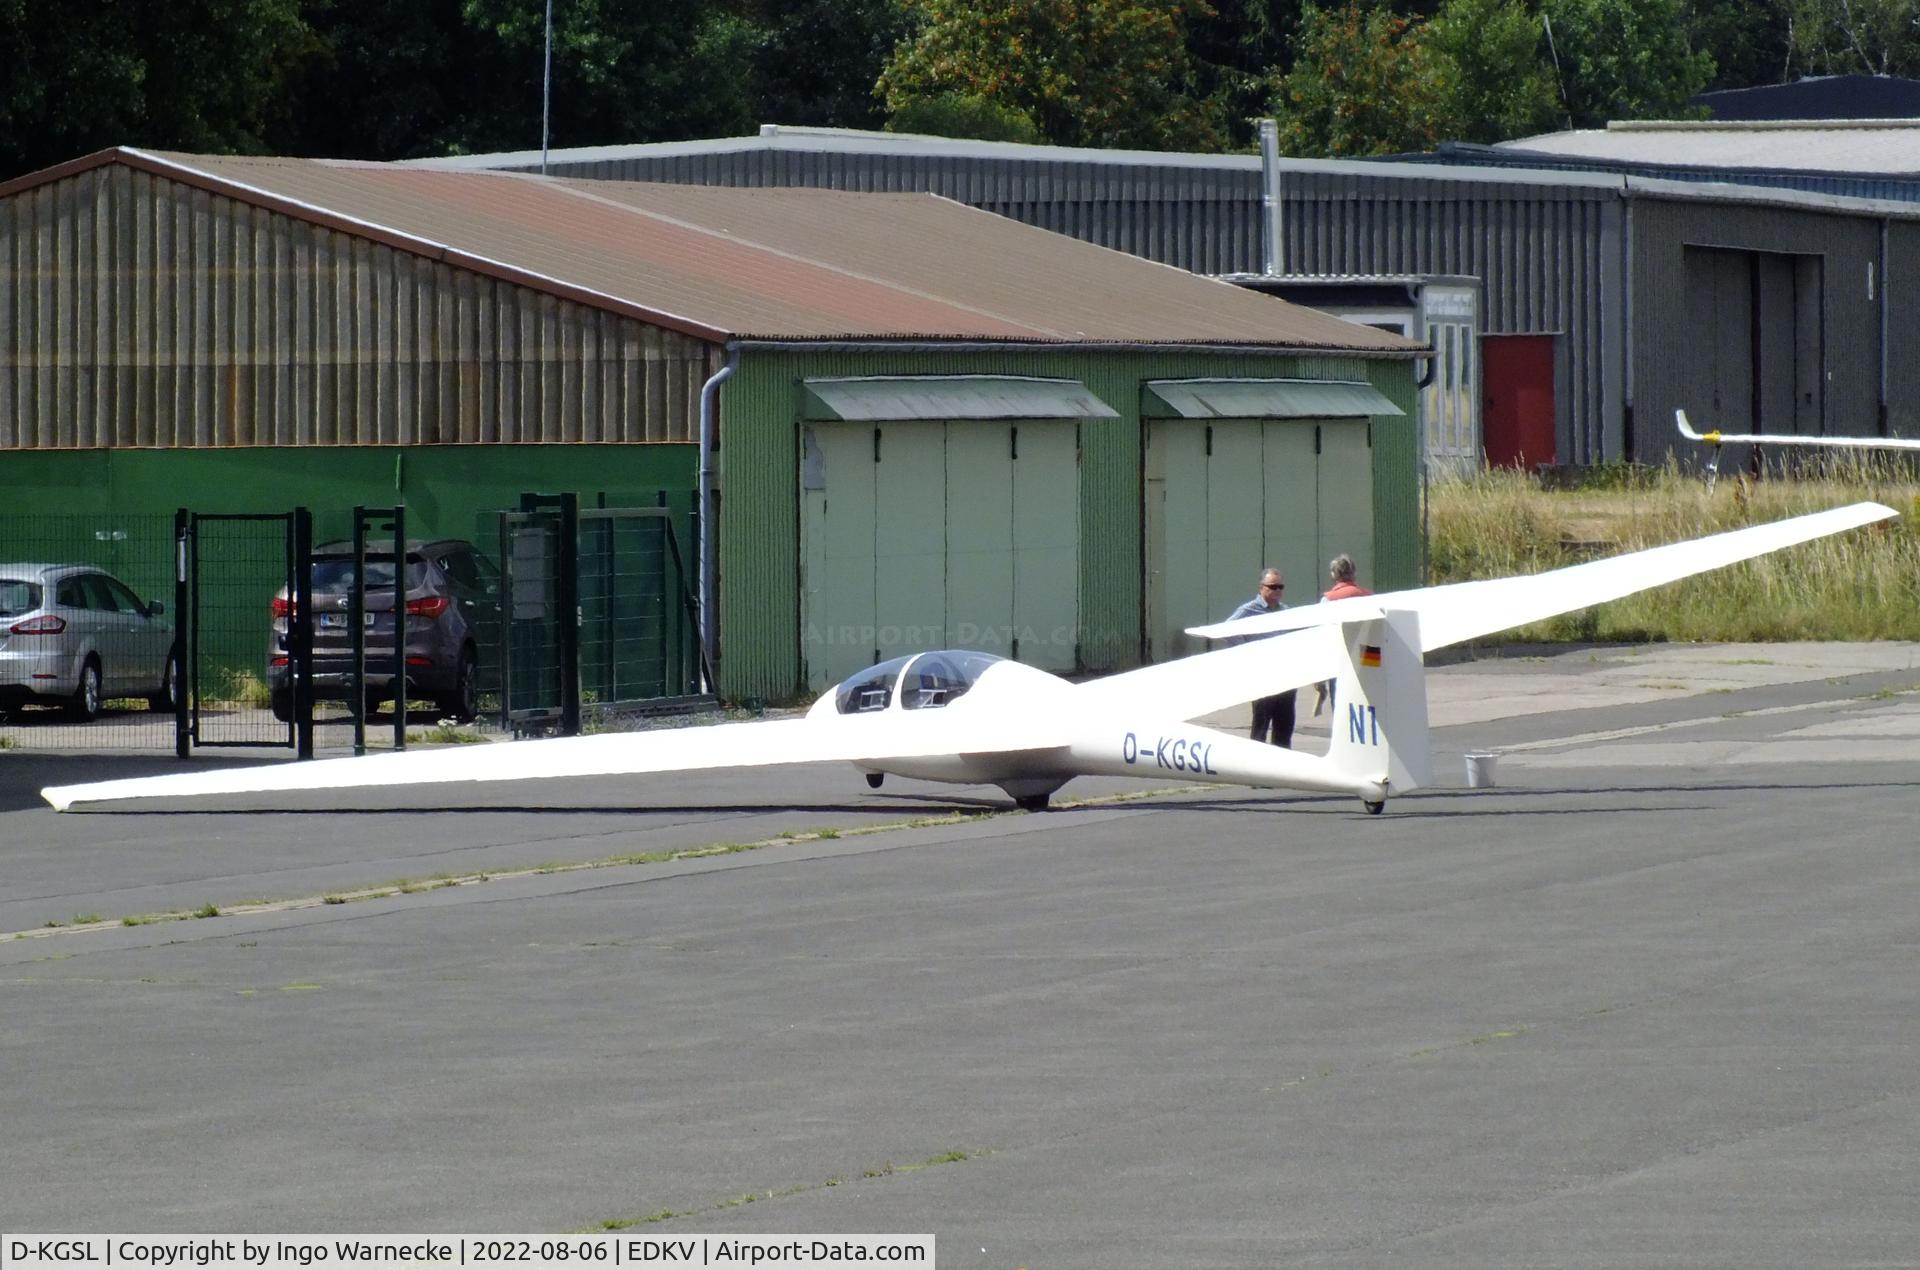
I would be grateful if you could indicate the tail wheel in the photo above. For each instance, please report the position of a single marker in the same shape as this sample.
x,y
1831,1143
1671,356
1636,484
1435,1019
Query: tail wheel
x,y
84,705
1032,802
874,779
1374,809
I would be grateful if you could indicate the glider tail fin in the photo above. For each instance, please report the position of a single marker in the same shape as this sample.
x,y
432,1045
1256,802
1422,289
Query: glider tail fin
x,y
1379,725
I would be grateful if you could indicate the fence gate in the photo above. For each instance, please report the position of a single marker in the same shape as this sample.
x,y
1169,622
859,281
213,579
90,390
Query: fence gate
x,y
243,593
598,616
639,640
539,646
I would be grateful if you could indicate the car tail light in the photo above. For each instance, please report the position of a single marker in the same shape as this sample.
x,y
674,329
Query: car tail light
x,y
427,606
282,606
277,662
419,661
45,624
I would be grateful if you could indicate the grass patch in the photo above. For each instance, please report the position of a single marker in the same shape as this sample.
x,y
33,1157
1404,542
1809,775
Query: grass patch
x,y
445,732
1859,585
232,686
9,743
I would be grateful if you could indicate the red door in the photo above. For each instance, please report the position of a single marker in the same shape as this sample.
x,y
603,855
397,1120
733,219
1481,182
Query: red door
x,y
1516,419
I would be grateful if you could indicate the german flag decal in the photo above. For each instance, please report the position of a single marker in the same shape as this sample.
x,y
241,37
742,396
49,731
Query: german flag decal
x,y
1369,655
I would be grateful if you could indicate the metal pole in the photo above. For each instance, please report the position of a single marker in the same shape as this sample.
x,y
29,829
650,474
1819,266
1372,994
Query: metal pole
x,y
357,624
300,631
400,628
546,90
182,737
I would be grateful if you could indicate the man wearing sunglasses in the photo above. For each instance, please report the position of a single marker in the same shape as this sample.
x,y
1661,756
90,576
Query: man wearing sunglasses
x,y
1272,716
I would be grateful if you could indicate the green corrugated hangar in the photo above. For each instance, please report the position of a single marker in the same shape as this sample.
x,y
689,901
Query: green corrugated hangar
x,y
923,424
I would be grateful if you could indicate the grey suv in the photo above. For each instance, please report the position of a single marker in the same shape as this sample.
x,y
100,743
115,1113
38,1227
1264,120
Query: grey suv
x,y
75,635
453,606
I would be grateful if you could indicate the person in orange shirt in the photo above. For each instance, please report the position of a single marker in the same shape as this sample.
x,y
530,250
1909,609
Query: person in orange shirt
x,y
1340,570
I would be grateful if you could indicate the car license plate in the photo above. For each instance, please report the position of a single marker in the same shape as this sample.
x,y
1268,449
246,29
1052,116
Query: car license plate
x,y
338,621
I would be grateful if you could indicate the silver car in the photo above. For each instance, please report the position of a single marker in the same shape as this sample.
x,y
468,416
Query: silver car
x,y
74,635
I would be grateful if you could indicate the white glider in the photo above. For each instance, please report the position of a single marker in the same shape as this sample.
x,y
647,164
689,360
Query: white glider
x,y
1715,437
976,719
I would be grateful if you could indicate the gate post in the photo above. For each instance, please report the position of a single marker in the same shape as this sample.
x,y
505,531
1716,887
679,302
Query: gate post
x,y
300,630
567,595
182,692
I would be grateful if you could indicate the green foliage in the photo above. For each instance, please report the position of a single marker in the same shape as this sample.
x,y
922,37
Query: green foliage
x,y
192,75
1750,43
815,61
1859,37
1499,83
1085,72
1363,81
1626,59
960,115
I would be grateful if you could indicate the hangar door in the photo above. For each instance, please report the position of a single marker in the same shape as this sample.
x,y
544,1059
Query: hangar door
x,y
1246,474
948,532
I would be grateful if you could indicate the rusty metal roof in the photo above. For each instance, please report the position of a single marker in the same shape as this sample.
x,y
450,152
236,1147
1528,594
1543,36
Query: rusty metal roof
x,y
776,264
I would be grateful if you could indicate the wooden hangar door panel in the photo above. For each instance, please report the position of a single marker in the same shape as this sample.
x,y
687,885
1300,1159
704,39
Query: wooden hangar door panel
x,y
1176,519
1046,543
909,538
1236,513
1291,509
837,620
1344,474
980,537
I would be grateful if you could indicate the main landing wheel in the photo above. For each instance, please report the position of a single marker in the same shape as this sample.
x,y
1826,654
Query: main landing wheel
x,y
1374,809
1032,802
874,779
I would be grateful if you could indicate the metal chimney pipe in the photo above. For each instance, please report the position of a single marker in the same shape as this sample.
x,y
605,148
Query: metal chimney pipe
x,y
1270,195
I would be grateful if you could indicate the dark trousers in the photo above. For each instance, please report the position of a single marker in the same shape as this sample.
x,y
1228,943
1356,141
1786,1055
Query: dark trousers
x,y
1276,713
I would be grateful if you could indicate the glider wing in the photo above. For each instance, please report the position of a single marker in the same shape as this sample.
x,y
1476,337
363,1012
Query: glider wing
x,y
1466,610
852,737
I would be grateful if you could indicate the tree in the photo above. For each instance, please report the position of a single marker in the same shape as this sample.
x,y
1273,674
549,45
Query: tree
x,y
191,75
1499,84
1750,42
958,115
1626,59
1864,37
816,60
1363,81
1086,72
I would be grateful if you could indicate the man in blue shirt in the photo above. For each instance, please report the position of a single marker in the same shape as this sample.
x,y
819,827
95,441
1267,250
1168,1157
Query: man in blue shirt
x,y
1270,714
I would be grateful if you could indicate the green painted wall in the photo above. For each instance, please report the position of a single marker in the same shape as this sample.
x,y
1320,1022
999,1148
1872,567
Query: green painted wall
x,y
758,464
114,508
444,487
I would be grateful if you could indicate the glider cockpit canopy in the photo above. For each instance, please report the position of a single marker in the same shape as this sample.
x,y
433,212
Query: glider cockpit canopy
x,y
923,681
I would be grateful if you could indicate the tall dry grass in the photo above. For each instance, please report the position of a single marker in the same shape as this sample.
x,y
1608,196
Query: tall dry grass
x,y
1860,585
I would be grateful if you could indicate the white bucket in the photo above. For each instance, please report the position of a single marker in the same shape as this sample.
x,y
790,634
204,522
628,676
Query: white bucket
x,y
1480,769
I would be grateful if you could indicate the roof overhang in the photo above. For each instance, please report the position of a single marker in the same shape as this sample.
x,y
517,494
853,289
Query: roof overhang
x,y
897,397
1264,399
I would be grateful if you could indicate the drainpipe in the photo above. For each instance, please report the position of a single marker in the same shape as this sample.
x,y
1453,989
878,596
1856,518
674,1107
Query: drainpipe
x,y
709,435
1270,195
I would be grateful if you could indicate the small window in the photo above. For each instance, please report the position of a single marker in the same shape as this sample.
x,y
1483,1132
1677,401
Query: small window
x,y
18,597
70,594
124,598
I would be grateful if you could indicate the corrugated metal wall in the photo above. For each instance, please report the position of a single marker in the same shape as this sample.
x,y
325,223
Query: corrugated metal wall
x,y
1549,256
139,311
1846,324
759,550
